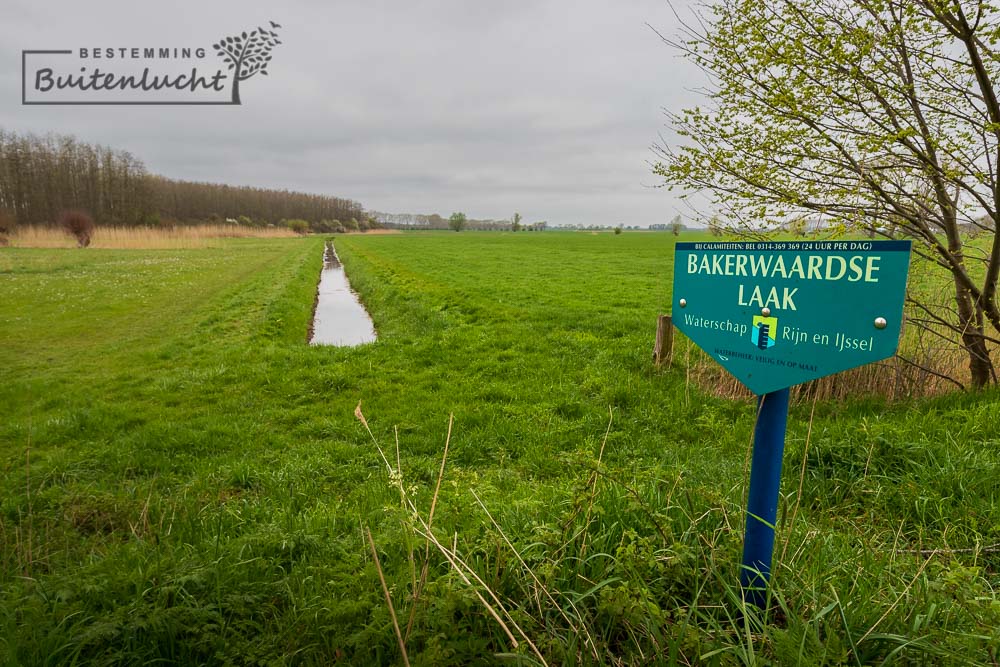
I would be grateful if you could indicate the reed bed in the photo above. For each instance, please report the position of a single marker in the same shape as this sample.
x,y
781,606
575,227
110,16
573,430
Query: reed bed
x,y
929,371
138,238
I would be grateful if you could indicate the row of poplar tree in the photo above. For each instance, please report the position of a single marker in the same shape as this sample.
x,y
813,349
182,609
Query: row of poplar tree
x,y
40,176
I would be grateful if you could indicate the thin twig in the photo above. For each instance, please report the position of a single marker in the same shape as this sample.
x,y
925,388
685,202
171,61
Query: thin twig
x,y
418,590
593,484
402,503
388,598
896,602
361,417
990,548
29,557
753,434
802,479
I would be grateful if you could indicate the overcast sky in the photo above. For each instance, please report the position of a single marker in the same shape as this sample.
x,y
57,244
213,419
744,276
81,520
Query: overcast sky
x,y
546,107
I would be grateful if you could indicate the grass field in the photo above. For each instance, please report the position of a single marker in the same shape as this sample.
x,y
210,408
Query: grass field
x,y
185,480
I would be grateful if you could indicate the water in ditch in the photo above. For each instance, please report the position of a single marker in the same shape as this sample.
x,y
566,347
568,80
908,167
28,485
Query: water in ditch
x,y
340,319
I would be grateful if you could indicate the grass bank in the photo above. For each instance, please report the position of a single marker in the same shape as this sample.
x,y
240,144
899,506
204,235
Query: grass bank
x,y
186,481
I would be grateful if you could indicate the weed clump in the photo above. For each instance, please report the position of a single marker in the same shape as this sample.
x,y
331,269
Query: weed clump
x,y
79,225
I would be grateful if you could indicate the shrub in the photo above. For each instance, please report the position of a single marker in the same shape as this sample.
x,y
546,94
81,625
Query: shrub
x,y
153,220
79,225
327,227
7,224
297,226
618,230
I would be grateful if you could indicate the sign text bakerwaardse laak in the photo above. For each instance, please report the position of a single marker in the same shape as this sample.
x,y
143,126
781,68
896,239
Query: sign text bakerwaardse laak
x,y
779,313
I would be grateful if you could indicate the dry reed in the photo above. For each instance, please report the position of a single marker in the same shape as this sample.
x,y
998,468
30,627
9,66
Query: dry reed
x,y
138,238
931,371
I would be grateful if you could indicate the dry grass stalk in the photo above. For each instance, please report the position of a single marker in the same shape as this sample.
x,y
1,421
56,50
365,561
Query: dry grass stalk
x,y
538,583
28,556
388,598
402,503
465,571
141,238
419,588
593,484
802,481
896,602
468,575
454,560
361,417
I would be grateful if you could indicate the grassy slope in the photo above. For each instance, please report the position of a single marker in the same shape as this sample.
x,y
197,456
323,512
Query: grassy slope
x,y
198,481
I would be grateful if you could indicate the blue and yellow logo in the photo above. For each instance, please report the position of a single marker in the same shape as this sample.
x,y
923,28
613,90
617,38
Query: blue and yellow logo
x,y
764,331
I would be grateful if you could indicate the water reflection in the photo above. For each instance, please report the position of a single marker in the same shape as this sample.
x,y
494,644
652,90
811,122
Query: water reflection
x,y
340,318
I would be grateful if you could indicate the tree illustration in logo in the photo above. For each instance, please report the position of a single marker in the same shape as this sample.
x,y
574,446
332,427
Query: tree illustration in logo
x,y
247,54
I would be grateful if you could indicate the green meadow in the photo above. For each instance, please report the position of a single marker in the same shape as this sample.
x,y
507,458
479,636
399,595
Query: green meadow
x,y
185,480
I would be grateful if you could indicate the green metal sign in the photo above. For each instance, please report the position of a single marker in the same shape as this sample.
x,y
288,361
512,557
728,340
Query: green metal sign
x,y
779,313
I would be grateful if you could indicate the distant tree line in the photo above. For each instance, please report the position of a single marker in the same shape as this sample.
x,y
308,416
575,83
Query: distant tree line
x,y
188,201
42,176
436,221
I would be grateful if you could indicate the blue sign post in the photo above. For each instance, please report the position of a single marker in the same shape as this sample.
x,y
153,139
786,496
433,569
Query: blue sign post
x,y
762,500
776,314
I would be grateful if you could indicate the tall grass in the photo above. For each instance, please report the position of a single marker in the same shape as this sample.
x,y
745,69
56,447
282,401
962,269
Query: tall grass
x,y
139,238
641,571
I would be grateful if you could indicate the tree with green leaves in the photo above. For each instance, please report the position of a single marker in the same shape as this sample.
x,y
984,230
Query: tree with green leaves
x,y
880,116
456,221
676,225
515,223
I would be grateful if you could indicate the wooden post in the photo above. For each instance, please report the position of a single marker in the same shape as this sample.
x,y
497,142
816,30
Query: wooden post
x,y
663,350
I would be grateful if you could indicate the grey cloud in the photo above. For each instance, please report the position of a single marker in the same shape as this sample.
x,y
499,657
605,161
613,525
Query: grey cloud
x,y
548,107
